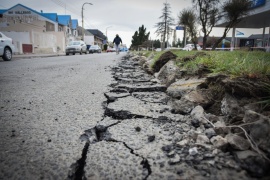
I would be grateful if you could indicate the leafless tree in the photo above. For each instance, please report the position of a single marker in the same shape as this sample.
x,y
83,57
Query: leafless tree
x,y
164,26
208,14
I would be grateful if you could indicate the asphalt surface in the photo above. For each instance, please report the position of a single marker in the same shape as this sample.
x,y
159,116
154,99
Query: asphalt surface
x,y
46,104
100,116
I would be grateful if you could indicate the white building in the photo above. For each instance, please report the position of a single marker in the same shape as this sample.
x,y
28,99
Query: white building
x,y
37,32
258,18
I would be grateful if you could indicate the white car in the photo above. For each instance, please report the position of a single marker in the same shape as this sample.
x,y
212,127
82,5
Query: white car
x,y
76,47
190,47
6,47
111,49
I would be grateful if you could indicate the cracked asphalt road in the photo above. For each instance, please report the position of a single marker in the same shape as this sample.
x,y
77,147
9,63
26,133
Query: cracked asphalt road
x,y
99,117
45,106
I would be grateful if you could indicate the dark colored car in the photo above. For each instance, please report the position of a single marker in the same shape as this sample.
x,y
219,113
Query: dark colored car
x,y
94,49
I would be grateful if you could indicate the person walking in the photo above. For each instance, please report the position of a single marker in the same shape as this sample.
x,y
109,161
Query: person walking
x,y
117,40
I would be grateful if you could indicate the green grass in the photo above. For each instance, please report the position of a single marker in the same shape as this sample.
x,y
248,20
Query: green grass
x,y
237,63
176,52
252,64
147,53
143,53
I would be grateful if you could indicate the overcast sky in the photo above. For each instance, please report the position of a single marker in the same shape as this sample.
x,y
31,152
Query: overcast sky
x,y
121,17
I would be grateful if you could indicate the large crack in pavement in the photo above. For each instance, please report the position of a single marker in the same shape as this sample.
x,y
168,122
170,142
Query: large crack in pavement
x,y
145,164
140,136
131,87
99,132
95,135
77,169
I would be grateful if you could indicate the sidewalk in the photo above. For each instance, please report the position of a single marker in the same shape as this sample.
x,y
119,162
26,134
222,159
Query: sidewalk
x,y
32,55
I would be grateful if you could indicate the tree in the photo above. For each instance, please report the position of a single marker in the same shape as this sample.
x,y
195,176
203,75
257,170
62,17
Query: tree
x,y
156,43
105,47
233,11
135,40
211,41
164,27
208,16
187,17
143,36
178,44
139,37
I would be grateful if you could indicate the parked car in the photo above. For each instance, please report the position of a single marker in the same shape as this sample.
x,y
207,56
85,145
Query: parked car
x,y
76,47
94,49
111,49
123,49
6,47
190,47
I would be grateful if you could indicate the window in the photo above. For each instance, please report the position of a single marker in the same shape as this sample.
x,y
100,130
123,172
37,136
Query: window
x,y
49,26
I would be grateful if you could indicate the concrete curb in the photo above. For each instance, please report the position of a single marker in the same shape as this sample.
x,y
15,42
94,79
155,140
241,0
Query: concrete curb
x,y
27,56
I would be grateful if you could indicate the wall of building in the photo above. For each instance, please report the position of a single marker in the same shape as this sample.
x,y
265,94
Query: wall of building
x,y
48,42
50,26
60,40
38,26
42,42
19,38
89,40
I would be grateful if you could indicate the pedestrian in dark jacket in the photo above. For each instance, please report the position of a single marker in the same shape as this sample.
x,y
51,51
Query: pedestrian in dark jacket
x,y
117,40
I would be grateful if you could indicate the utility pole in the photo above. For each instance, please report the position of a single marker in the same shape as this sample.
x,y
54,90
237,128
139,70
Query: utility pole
x,y
82,19
106,31
174,37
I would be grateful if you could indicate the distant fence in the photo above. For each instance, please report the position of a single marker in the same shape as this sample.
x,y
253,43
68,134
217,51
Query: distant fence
x,y
266,49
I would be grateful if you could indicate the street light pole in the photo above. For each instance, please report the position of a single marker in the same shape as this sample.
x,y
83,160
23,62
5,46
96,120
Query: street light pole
x,y
82,19
106,31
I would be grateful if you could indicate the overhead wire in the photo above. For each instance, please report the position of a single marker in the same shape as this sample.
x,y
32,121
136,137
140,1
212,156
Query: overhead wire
x,y
72,10
64,5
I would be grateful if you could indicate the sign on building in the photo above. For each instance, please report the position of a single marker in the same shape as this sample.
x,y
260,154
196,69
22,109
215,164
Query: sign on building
x,y
179,28
256,3
19,14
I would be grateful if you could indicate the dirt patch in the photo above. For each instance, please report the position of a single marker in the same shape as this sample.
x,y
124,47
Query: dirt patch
x,y
246,91
164,58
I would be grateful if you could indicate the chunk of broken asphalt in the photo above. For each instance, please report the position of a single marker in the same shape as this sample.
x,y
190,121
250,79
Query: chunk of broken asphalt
x,y
138,129
151,138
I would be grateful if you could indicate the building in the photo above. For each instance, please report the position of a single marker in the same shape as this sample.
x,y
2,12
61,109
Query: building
x,y
37,32
258,17
99,37
74,27
88,37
